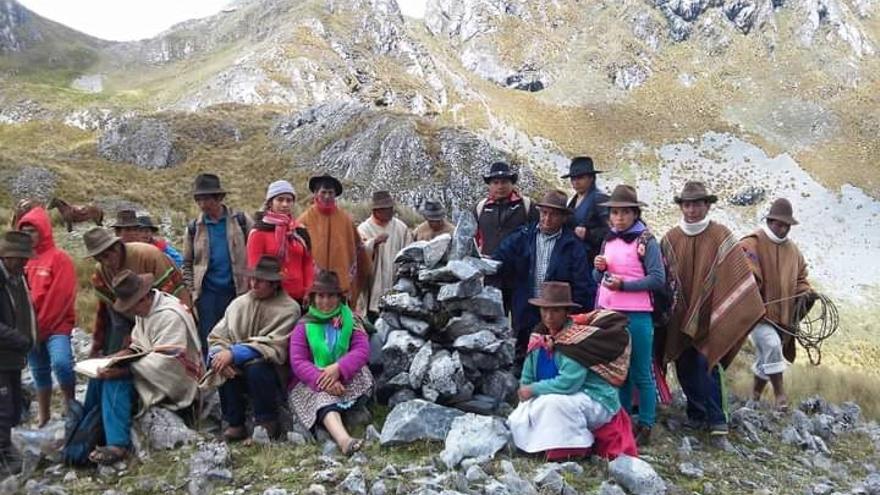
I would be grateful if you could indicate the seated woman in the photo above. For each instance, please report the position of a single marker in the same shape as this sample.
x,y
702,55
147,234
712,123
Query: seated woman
x,y
329,351
569,400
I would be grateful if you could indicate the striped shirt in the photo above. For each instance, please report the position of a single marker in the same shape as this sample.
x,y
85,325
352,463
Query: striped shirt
x,y
543,250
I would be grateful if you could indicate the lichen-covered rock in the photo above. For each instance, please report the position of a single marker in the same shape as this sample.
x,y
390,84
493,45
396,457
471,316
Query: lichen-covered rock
x,y
146,142
417,420
474,436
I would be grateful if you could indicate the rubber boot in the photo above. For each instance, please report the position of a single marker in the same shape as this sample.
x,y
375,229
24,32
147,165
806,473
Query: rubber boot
x,y
44,402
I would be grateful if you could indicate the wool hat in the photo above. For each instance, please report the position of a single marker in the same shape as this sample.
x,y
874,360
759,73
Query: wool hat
x,y
326,282
125,219
16,244
695,191
554,295
316,181
267,268
205,184
433,210
500,170
145,222
623,196
782,211
129,288
381,200
556,200
279,187
581,165
98,240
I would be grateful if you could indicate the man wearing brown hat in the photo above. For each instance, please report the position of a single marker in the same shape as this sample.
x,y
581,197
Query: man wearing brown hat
x,y
717,304
214,253
383,235
166,373
781,272
336,243
148,235
248,345
127,227
435,222
543,252
112,328
18,332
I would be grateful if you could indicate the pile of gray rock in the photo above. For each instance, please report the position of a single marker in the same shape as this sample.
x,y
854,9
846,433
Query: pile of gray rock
x,y
442,334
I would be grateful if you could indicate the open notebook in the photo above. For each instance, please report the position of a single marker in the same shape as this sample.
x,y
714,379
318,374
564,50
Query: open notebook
x,y
90,367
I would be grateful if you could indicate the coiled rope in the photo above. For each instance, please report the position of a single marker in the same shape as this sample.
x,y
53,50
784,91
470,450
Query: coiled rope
x,y
815,324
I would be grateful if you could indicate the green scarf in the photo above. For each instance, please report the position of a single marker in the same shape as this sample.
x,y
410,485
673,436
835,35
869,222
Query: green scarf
x,y
322,355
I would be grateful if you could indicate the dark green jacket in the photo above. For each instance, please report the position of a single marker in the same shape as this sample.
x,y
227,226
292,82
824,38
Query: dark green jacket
x,y
17,322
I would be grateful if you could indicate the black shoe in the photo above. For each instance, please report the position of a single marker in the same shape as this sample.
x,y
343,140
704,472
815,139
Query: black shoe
x,y
643,435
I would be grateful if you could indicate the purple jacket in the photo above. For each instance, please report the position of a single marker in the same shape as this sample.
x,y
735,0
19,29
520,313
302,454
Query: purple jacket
x,y
304,369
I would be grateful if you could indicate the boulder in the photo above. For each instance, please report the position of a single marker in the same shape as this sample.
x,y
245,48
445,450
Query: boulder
x,y
501,385
454,271
482,341
487,304
164,429
446,376
473,436
207,467
398,351
460,290
405,284
435,250
636,475
413,252
465,324
421,363
144,142
463,244
403,303
417,420
414,325
401,396
486,266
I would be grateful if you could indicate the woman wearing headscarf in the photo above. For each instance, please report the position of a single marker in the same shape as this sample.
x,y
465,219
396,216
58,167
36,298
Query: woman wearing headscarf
x,y
329,352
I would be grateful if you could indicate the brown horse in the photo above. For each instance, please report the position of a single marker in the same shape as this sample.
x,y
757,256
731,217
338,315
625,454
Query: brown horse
x,y
77,213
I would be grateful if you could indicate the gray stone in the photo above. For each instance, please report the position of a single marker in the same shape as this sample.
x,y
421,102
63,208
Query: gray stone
x,y
486,266
872,484
145,142
495,487
315,489
406,285
480,404
420,365
415,326
275,491
389,471
748,195
164,429
501,385
475,474
790,436
414,251
354,482
378,339
636,475
465,324
401,396
403,303
435,250
371,434
329,448
460,290
296,438
430,303
690,470
608,488
821,489
482,341
823,426
463,244
487,304
260,436
474,436
378,488
398,351
207,467
446,376
417,420
547,478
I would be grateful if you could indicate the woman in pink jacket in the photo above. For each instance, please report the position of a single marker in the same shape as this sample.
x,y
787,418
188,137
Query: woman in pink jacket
x,y
329,351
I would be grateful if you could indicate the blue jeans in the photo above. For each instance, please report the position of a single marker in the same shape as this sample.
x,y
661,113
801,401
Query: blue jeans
x,y
53,355
211,306
705,391
116,398
257,381
641,332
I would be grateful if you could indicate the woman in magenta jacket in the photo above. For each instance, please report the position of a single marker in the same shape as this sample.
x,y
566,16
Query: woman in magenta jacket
x,y
329,352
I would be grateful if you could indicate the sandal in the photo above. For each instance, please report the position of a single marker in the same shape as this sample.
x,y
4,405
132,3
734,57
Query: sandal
x,y
354,445
107,456
235,433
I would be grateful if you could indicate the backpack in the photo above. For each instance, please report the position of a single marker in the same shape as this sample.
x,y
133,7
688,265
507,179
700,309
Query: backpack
x,y
83,431
239,218
527,204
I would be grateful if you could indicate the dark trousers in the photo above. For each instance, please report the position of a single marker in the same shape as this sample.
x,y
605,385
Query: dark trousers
x,y
211,306
705,391
257,381
10,406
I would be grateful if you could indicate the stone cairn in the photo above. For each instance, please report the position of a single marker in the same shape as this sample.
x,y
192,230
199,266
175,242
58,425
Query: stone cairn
x,y
442,334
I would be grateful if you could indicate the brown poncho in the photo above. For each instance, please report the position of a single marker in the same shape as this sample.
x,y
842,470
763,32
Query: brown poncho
x,y
337,246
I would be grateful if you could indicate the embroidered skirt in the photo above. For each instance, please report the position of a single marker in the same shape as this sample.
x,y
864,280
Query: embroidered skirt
x,y
305,402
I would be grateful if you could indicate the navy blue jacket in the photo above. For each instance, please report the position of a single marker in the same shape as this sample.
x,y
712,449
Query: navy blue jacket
x,y
568,263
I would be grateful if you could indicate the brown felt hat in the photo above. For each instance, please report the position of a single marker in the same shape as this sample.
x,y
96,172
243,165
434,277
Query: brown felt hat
x,y
16,244
556,200
145,222
126,218
129,288
326,282
554,295
381,200
624,196
782,211
98,240
206,184
433,210
695,191
267,268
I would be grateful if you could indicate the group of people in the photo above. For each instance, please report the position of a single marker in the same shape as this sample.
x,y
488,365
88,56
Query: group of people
x,y
272,307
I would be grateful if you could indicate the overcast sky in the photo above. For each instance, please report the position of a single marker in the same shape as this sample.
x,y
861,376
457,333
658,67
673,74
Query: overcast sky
x,y
137,19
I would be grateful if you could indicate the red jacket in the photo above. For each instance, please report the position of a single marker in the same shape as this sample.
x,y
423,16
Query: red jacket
x,y
298,270
52,280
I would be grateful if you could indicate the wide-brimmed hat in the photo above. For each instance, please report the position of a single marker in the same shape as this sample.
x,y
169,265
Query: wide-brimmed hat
x,y
695,191
207,184
381,200
500,170
623,196
145,222
98,240
126,218
433,210
554,295
556,200
782,211
581,165
129,288
326,282
317,180
16,244
278,188
268,267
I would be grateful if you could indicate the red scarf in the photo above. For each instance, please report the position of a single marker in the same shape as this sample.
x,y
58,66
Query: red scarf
x,y
513,196
380,222
325,207
284,230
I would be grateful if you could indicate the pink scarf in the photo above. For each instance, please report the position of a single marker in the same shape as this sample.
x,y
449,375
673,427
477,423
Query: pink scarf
x,y
540,341
284,231
325,207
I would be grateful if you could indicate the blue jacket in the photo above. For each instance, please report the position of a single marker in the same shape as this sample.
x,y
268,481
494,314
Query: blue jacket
x,y
568,263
